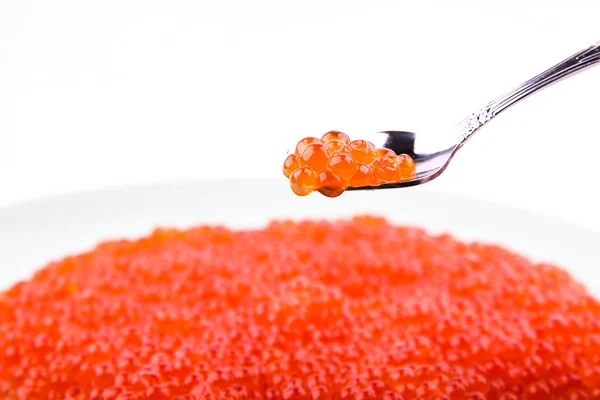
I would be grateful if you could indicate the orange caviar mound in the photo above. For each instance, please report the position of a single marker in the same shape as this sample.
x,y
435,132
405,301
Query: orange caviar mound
x,y
358,163
356,309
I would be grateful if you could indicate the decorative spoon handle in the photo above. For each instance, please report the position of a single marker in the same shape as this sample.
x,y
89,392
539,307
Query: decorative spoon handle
x,y
569,67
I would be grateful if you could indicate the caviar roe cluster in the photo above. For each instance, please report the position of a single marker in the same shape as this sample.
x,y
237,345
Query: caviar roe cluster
x,y
334,162
351,310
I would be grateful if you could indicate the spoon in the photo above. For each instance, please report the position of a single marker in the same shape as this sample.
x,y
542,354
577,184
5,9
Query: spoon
x,y
432,158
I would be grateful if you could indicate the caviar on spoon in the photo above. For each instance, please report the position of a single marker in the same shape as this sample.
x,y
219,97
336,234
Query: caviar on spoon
x,y
334,163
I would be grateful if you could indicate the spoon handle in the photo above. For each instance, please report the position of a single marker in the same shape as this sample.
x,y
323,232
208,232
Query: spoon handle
x,y
569,67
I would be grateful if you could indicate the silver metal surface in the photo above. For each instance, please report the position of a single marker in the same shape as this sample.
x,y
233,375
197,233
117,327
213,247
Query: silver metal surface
x,y
432,158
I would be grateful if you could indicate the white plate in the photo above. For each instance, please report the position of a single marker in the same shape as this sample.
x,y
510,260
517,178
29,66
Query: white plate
x,y
35,233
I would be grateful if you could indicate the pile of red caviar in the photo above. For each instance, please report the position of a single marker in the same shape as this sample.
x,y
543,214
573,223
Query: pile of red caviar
x,y
334,163
357,309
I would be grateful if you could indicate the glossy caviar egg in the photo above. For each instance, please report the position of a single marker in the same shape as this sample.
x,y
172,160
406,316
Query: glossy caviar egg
x,y
330,183
302,144
337,147
406,166
381,152
335,135
303,181
364,176
386,169
315,156
361,151
290,164
343,165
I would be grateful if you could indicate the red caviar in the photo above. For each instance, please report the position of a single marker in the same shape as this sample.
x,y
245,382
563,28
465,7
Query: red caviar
x,y
356,309
358,163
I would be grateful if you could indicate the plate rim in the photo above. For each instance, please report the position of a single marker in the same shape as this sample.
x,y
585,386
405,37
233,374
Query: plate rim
x,y
113,190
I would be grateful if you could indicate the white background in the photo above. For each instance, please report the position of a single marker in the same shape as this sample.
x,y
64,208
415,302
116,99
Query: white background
x,y
116,92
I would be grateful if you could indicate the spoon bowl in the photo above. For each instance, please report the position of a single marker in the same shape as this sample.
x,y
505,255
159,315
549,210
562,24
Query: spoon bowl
x,y
430,163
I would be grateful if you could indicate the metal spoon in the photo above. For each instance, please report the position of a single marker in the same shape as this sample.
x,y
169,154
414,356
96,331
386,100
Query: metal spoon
x,y
432,158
